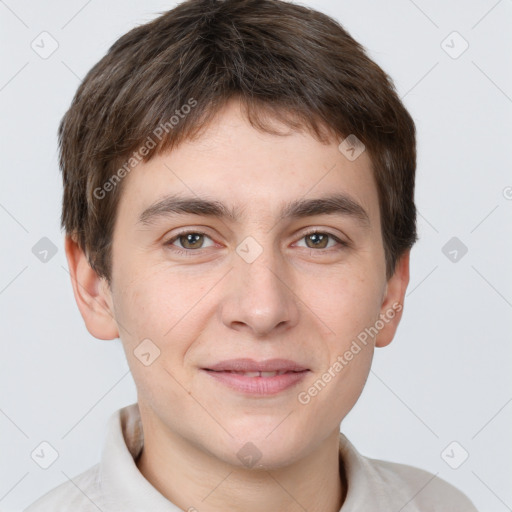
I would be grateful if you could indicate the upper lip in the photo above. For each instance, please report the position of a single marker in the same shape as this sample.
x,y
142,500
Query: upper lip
x,y
250,365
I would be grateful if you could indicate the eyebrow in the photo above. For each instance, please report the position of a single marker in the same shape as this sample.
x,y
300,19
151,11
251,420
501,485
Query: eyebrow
x,y
341,204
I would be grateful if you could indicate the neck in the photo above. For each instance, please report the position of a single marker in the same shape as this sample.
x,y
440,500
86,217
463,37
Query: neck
x,y
195,480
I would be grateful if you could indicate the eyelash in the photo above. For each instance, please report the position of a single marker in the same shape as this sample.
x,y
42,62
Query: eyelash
x,y
192,252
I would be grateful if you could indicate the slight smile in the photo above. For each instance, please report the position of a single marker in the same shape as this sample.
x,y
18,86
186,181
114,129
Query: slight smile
x,y
262,378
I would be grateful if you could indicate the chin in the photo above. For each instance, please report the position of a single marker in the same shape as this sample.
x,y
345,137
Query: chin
x,y
255,449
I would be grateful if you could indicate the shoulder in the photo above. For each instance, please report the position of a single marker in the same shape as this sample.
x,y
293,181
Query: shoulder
x,y
419,490
80,494
381,485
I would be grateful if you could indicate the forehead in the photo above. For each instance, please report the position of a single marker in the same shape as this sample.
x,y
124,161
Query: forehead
x,y
250,171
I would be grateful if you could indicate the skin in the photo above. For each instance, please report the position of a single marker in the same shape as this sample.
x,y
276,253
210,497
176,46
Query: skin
x,y
302,303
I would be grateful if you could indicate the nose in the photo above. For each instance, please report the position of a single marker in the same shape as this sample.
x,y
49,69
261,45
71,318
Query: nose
x,y
259,298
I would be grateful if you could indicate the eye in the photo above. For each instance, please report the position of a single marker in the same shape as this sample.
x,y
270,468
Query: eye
x,y
320,240
190,240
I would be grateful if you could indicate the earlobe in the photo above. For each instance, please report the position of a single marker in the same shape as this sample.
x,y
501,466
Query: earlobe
x,y
393,302
92,294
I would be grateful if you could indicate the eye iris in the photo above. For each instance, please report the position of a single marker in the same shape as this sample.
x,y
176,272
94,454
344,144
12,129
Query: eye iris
x,y
195,240
191,240
318,240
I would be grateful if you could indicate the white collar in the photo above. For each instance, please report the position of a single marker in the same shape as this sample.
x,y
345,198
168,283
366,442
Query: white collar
x,y
371,485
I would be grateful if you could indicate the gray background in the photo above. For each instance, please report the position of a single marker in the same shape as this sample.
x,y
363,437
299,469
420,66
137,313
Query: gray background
x,y
446,376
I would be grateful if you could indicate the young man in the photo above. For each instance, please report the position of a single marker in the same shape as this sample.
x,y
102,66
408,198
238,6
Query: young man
x,y
239,211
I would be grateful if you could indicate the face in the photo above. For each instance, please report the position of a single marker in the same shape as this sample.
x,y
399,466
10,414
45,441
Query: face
x,y
282,270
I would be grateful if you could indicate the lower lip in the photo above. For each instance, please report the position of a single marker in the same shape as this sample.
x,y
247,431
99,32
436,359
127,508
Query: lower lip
x,y
258,385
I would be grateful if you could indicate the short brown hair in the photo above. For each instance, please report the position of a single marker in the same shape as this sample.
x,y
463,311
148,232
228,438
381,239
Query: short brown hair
x,y
279,59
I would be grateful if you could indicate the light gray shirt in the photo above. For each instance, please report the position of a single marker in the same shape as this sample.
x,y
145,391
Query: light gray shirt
x,y
115,484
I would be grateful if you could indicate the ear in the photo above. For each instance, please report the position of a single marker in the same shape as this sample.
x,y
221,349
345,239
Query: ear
x,y
92,294
393,301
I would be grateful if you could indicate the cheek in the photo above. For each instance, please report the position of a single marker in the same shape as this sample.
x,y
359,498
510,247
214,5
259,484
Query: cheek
x,y
159,324
348,384
346,302
334,392
162,306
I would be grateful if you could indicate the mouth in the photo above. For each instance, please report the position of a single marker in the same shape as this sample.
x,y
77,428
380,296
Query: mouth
x,y
261,378
254,374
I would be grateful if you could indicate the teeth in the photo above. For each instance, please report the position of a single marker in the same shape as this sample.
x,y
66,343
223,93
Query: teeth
x,y
251,374
261,374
